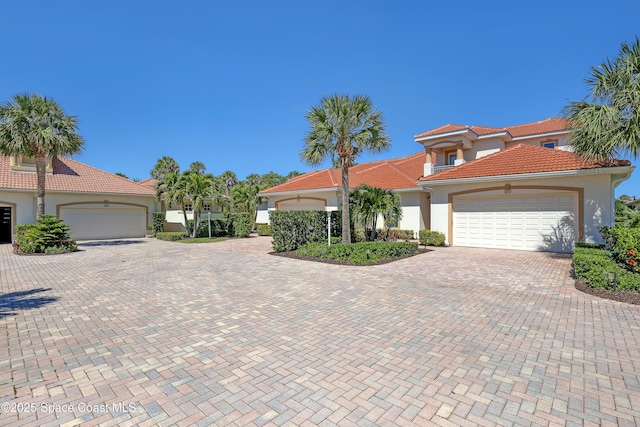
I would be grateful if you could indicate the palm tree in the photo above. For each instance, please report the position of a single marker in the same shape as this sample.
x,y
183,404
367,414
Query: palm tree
x,y
197,166
38,127
344,126
368,203
607,123
164,166
245,199
197,187
228,179
172,187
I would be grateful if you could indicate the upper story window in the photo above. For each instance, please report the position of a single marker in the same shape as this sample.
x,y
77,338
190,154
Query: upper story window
x,y
188,207
206,207
28,164
549,144
451,158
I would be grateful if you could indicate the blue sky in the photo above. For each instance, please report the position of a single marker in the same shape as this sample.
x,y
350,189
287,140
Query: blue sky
x,y
229,83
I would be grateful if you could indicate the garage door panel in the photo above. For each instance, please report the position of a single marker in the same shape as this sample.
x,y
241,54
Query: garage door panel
x,y
113,222
531,222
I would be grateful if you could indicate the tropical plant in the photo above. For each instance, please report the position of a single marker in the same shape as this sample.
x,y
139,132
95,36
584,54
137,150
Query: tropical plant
x,y
197,167
606,123
197,187
245,199
368,203
172,190
165,165
48,235
343,126
35,126
228,180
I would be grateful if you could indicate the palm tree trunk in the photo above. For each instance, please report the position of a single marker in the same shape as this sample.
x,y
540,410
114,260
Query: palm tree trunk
x,y
186,221
346,229
41,171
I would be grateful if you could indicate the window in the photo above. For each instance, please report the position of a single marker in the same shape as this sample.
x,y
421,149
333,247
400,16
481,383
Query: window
x,y
188,207
206,207
451,158
549,144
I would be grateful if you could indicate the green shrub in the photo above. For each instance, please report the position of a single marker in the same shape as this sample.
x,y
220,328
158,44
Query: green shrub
x,y
359,235
624,244
171,236
294,229
263,229
240,224
157,222
360,253
219,227
593,264
405,234
48,235
431,238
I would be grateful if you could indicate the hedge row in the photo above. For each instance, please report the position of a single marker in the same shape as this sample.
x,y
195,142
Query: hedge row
x,y
294,229
360,253
171,236
594,266
236,225
391,235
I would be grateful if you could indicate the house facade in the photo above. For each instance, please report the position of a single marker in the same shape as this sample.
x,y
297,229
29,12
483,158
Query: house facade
x,y
94,203
517,187
322,190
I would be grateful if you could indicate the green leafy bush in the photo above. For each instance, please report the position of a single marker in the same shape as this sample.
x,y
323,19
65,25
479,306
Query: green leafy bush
x,y
431,238
171,236
294,229
48,235
263,229
240,224
404,234
593,264
360,253
219,227
624,244
157,222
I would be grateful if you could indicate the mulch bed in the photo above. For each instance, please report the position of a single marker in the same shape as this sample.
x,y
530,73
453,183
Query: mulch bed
x,y
629,297
294,255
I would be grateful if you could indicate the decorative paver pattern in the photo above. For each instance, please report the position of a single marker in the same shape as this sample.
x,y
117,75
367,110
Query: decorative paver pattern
x,y
162,333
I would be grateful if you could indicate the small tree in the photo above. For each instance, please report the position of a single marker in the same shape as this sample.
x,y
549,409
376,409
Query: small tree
x,y
345,127
368,203
164,166
38,127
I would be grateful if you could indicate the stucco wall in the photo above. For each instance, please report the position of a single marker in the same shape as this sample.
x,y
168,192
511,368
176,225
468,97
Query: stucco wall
x,y
597,205
24,211
329,198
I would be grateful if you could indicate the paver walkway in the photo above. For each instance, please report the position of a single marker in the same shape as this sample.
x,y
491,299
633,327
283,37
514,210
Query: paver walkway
x,y
160,333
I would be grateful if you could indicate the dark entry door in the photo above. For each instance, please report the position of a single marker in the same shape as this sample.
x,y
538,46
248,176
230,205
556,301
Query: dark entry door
x,y
5,225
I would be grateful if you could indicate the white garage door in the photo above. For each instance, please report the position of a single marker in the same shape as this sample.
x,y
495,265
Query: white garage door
x,y
99,222
527,222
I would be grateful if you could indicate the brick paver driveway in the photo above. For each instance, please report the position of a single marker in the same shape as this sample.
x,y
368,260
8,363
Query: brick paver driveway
x,y
159,333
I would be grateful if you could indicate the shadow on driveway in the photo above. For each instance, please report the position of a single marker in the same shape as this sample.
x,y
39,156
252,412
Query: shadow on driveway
x,y
111,243
21,301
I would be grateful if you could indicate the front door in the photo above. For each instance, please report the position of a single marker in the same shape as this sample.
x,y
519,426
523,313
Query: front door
x,y
5,224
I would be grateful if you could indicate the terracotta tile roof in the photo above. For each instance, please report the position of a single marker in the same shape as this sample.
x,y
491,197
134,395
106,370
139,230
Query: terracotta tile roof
x,y
520,159
392,174
149,182
552,124
71,176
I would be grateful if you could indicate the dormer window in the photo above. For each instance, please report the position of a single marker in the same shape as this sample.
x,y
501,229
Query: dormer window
x,y
549,144
23,163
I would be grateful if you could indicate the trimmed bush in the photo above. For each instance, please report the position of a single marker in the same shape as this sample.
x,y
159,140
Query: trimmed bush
x,y
431,238
49,235
219,227
263,229
240,224
294,229
171,236
157,222
593,264
360,253
624,244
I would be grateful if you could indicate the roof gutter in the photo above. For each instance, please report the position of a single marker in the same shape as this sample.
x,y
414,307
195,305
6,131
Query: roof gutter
x,y
521,176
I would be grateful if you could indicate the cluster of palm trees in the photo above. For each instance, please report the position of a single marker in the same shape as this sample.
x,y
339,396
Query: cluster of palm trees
x,y
368,204
195,186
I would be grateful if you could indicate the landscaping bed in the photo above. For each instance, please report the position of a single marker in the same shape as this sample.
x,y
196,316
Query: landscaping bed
x,y
296,255
629,297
